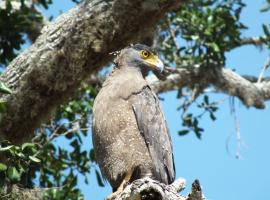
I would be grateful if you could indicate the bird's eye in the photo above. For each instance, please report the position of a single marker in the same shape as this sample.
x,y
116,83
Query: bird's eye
x,y
145,54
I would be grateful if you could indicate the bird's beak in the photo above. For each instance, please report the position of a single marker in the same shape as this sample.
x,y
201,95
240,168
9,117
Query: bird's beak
x,y
155,63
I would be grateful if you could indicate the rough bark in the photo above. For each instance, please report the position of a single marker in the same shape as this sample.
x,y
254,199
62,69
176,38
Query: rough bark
x,y
146,186
252,94
138,189
13,192
68,50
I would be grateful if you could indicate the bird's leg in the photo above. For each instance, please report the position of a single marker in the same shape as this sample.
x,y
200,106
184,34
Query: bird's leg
x,y
121,187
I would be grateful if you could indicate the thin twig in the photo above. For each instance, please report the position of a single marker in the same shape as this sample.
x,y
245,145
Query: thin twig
x,y
256,41
75,127
264,68
237,129
172,33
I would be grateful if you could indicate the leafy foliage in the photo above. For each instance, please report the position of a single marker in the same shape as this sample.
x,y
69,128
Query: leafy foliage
x,y
4,89
20,162
61,165
208,29
202,32
266,38
191,122
16,20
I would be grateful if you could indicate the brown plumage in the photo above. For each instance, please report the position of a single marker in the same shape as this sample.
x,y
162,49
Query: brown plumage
x,y
130,134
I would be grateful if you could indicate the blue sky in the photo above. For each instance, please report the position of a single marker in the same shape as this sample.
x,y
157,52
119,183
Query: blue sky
x,y
222,176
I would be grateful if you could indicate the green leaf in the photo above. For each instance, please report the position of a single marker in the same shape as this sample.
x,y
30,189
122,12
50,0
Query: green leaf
x,y
265,8
206,99
4,89
183,132
3,167
195,122
215,47
13,174
198,135
266,30
2,106
212,116
99,179
194,37
20,154
28,145
75,144
68,109
92,155
2,179
6,148
34,159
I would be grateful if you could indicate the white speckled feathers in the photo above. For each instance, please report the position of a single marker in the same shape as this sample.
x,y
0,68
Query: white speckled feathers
x,y
129,129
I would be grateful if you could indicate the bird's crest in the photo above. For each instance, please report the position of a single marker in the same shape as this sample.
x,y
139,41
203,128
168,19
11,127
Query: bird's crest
x,y
116,54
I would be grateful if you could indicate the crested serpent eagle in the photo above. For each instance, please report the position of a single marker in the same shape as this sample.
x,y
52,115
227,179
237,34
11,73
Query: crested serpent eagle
x,y
130,135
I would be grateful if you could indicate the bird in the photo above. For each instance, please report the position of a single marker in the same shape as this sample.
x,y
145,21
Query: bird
x,y
130,136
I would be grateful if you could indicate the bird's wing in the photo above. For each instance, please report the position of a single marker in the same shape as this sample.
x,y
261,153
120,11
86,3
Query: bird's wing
x,y
153,128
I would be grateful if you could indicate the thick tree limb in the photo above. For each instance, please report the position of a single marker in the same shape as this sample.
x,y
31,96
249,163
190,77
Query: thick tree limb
x,y
223,79
143,187
70,49
15,192
139,188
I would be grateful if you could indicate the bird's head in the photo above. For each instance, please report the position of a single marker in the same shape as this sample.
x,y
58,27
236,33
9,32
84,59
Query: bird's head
x,y
141,56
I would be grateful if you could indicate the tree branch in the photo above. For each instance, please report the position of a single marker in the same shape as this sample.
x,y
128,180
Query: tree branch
x,y
140,188
223,79
15,192
68,51
256,41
